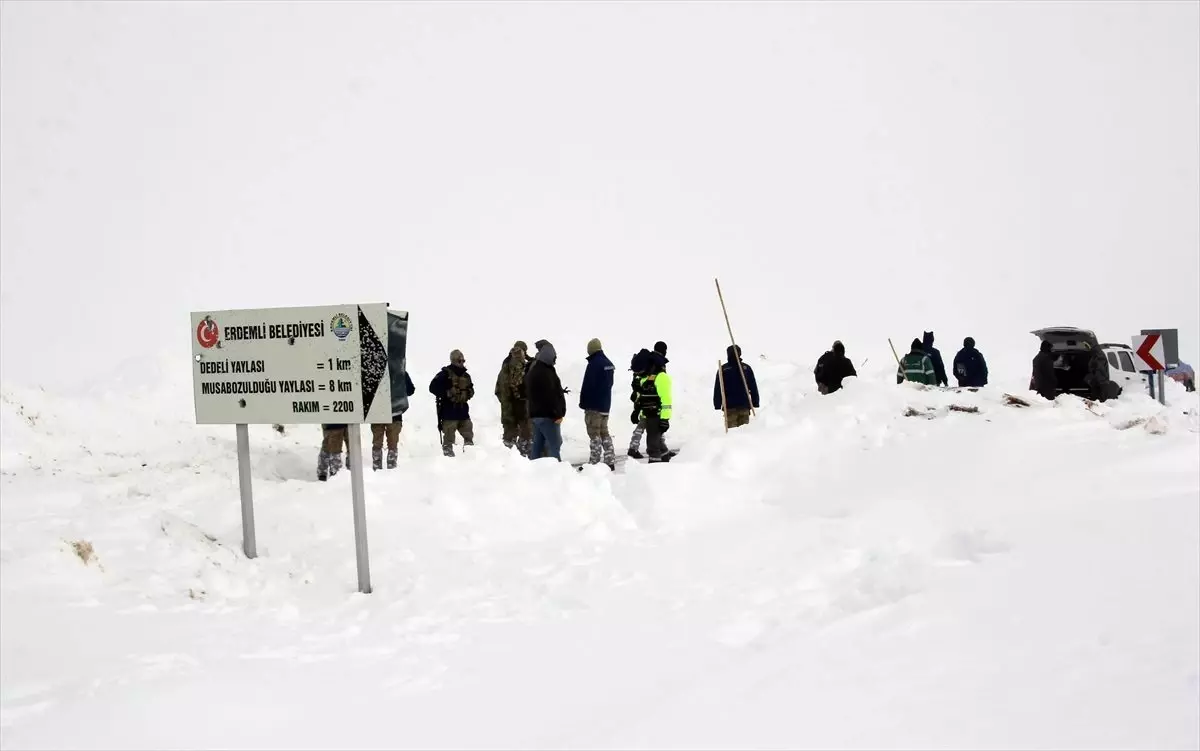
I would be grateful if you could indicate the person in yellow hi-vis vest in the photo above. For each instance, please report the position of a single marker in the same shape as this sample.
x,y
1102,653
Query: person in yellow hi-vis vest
x,y
654,407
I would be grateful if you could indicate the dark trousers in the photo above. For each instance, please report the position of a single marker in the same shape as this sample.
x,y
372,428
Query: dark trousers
x,y
655,446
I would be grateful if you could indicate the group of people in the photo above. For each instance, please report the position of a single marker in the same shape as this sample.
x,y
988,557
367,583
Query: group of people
x,y
533,406
924,364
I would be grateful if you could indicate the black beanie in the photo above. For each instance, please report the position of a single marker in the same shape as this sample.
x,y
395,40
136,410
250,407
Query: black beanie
x,y
916,344
661,348
969,342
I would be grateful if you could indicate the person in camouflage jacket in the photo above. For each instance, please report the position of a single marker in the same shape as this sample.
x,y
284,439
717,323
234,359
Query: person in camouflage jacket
x,y
514,405
916,366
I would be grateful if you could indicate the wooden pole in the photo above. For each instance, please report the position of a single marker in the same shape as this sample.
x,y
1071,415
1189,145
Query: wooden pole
x,y
724,408
725,311
899,365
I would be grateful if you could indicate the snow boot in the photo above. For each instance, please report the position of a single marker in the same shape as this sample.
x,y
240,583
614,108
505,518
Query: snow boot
x,y
391,460
376,459
635,454
335,464
323,466
611,465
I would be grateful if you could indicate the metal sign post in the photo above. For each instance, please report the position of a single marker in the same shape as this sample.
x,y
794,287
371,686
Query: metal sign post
x,y
243,451
354,438
1150,350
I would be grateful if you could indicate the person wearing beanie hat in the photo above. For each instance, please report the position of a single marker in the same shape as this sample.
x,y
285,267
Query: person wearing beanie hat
x,y
661,348
832,368
916,366
641,365
514,407
595,399
452,388
969,366
547,403
935,357
739,397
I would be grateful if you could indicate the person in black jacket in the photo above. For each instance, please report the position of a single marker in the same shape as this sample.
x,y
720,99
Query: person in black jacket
x,y
969,366
453,389
1045,381
935,356
638,364
832,368
547,403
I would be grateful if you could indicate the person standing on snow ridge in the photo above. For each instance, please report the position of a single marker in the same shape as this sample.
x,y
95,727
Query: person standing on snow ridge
x,y
454,389
547,403
595,399
635,440
654,407
969,366
737,406
392,431
935,357
1045,380
329,460
916,366
832,368
514,407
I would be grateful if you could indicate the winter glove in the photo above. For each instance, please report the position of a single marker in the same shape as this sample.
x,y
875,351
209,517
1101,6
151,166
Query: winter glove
x,y
633,417
664,425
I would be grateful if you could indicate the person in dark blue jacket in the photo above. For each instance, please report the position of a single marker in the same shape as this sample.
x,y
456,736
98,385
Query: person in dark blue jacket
x,y
737,405
595,399
935,356
969,366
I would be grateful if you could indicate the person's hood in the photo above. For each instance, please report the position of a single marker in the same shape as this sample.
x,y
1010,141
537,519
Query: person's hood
x,y
517,353
927,340
916,346
839,349
1047,346
733,353
547,354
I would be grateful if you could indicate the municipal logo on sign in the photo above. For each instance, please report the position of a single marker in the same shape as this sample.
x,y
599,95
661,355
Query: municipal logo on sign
x,y
208,334
340,326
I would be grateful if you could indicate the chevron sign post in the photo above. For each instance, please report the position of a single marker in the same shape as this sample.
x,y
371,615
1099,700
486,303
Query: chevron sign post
x,y
1148,348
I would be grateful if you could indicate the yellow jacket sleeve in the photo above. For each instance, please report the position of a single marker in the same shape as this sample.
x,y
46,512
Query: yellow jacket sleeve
x,y
663,383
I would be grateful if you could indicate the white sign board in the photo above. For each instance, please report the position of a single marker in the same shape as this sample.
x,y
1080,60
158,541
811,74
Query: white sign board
x,y
1150,352
322,364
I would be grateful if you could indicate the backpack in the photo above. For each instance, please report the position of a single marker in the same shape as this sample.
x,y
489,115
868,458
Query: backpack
x,y
460,389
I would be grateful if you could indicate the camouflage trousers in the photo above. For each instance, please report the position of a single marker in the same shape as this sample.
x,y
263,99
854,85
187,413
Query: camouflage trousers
x,y
450,428
391,431
636,439
329,460
518,428
736,418
600,442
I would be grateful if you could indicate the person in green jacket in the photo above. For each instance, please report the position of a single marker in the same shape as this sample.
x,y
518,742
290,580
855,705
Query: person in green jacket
x,y
654,408
916,366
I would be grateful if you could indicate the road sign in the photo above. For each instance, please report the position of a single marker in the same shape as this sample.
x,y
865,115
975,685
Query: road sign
x,y
322,364
1149,349
1170,340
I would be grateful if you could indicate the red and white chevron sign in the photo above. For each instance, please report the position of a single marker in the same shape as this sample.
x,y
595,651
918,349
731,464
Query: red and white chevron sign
x,y
1149,348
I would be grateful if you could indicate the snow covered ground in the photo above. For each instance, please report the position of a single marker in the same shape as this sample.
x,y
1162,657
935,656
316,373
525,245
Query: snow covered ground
x,y
838,574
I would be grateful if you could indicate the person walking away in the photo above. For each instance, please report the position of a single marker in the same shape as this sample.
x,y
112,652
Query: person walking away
x,y
1045,380
514,407
654,407
392,431
635,440
832,368
970,369
329,460
737,404
453,386
595,399
916,366
935,357
547,403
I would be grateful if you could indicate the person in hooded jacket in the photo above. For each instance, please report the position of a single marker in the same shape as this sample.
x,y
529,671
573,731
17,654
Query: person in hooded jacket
x,y
969,366
653,407
635,440
1045,379
595,399
1098,379
391,430
510,391
453,389
547,403
737,403
832,368
935,357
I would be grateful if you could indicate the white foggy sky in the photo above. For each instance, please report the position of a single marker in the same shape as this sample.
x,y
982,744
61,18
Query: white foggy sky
x,y
855,170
